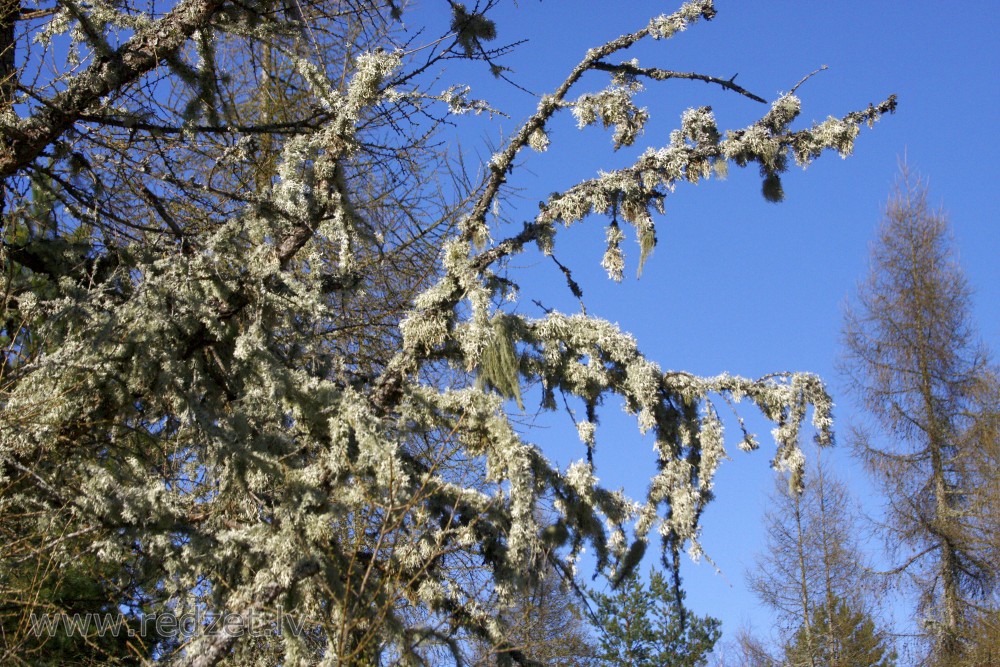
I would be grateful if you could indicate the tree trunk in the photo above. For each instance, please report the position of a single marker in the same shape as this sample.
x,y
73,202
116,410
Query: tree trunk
x,y
804,583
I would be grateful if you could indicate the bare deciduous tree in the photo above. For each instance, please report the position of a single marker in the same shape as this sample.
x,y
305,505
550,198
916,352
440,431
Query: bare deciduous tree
x,y
918,368
814,577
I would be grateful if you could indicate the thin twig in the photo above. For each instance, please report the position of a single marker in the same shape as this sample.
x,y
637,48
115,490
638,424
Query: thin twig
x,y
807,77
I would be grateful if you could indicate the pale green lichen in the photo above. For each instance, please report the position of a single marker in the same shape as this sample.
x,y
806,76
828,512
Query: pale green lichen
x,y
238,362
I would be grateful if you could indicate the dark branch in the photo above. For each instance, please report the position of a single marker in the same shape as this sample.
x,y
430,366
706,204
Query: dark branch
x,y
665,74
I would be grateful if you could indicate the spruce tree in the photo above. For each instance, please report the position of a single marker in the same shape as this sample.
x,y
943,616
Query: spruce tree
x,y
266,364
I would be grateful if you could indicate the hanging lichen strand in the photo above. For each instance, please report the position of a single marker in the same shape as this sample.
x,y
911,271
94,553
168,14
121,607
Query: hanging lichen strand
x,y
215,417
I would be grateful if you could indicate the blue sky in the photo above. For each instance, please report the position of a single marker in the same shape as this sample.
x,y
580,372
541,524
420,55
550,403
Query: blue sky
x,y
738,284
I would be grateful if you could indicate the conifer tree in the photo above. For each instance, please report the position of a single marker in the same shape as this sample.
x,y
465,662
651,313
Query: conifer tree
x,y
644,624
815,579
261,364
921,373
839,635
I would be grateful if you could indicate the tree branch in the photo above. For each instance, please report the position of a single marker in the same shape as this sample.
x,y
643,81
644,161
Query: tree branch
x,y
213,648
142,53
503,162
664,74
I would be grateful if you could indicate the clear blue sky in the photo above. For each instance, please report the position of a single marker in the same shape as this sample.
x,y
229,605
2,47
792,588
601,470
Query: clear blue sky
x,y
737,284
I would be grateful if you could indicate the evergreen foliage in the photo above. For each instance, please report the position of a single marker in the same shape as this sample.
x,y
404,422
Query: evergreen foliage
x,y
646,625
847,637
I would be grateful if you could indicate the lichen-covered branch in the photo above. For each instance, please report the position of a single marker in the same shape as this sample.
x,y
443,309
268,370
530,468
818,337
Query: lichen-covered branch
x,y
25,139
262,342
